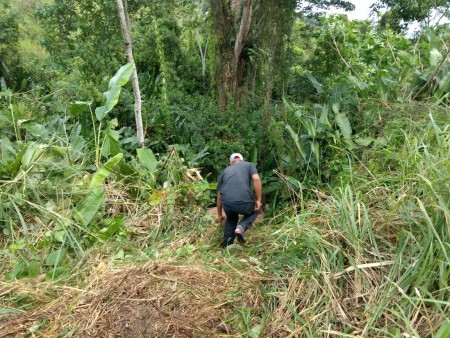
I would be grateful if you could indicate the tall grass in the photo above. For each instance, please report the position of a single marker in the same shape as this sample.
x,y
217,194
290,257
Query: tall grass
x,y
377,257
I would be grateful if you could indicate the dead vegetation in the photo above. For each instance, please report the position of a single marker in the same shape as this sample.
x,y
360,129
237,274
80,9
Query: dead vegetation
x,y
155,300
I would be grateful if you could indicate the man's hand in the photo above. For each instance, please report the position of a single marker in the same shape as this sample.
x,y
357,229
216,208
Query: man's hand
x,y
257,205
220,217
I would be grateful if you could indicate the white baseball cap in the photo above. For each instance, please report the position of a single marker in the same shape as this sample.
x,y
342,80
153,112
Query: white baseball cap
x,y
233,156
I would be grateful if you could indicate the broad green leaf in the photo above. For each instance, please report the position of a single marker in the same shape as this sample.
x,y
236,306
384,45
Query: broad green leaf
x,y
56,257
7,151
405,57
86,211
79,107
296,139
364,141
335,107
120,255
15,273
310,127
112,95
33,269
105,171
56,150
156,197
6,117
30,154
444,330
444,83
193,161
294,182
112,227
380,142
256,331
289,105
147,159
324,123
122,75
315,83
59,235
435,57
33,127
361,85
111,146
434,40
344,125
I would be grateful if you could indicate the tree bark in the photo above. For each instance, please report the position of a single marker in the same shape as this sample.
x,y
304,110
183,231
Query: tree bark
x,y
241,37
126,34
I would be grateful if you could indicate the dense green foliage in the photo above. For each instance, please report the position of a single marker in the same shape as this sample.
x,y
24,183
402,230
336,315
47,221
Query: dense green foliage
x,y
347,121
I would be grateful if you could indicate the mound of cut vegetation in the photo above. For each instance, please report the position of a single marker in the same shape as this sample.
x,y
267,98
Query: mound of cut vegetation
x,y
155,300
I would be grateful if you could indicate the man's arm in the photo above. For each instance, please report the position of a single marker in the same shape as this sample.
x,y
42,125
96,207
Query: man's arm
x,y
258,190
220,215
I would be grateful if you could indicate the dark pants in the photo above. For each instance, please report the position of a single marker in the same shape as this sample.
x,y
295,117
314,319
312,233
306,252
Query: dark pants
x,y
233,210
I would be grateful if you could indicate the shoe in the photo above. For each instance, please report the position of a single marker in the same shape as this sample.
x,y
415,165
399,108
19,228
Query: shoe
x,y
240,234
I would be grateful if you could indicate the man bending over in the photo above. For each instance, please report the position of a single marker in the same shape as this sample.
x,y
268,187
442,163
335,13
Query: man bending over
x,y
234,195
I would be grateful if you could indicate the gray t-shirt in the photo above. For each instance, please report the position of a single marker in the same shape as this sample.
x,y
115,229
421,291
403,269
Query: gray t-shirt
x,y
235,183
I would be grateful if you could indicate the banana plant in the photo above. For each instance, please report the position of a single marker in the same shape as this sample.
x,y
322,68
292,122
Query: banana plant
x,y
106,141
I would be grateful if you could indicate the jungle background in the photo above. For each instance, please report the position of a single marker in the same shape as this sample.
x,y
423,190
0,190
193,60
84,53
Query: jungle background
x,y
347,122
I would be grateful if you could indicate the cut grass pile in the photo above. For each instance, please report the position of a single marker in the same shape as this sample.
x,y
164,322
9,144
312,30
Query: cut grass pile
x,y
156,300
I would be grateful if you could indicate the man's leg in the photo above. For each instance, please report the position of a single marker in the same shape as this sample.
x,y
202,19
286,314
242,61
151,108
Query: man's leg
x,y
230,226
249,216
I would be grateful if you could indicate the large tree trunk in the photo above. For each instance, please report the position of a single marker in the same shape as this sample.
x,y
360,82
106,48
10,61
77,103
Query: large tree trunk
x,y
126,34
240,41
228,27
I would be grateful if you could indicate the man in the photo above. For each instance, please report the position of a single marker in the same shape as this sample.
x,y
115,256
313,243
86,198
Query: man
x,y
234,195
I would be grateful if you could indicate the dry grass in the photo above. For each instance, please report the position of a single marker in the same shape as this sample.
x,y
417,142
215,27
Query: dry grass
x,y
155,300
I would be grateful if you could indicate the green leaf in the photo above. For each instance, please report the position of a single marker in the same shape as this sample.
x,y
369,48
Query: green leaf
x,y
156,197
444,330
364,141
105,171
361,85
9,311
289,105
33,269
294,182
122,75
33,127
405,57
256,331
15,273
56,150
435,57
31,153
59,236
344,125
7,151
380,142
112,226
55,257
147,159
79,107
315,83
323,120
296,139
14,167
315,148
86,211
112,95
111,146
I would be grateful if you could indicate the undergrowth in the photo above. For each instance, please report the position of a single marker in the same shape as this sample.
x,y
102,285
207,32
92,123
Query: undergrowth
x,y
367,257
